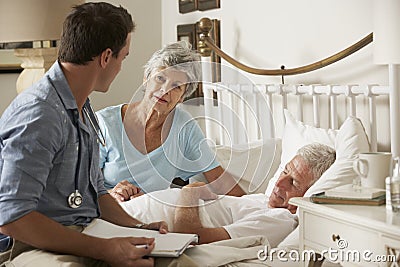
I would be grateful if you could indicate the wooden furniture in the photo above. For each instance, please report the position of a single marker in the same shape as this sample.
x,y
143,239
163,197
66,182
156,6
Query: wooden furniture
x,y
356,235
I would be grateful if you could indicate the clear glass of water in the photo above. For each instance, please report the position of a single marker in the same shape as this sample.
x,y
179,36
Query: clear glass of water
x,y
395,193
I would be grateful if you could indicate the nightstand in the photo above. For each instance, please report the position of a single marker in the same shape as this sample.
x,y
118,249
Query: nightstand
x,y
356,235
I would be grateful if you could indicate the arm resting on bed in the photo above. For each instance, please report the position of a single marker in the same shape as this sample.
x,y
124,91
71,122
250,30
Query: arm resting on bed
x,y
187,218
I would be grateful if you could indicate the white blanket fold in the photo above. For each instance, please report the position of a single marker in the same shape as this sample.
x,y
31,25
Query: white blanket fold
x,y
227,251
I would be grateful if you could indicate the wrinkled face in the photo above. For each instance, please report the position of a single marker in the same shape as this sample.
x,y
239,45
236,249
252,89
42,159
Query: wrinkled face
x,y
114,66
165,88
293,182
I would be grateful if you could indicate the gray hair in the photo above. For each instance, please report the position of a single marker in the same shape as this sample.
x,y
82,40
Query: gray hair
x,y
180,56
318,158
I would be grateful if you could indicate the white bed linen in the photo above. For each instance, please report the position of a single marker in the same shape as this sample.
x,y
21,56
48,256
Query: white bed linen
x,y
245,216
233,252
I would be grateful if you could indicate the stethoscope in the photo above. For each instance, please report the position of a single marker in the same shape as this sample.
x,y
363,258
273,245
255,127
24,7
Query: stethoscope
x,y
75,199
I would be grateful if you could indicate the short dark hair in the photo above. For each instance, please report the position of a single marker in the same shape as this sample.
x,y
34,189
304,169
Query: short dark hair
x,y
91,28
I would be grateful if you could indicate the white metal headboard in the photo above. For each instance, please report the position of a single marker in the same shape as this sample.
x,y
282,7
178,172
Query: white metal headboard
x,y
244,98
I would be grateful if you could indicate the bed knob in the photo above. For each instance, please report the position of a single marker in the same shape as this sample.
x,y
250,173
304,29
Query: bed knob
x,y
205,26
335,237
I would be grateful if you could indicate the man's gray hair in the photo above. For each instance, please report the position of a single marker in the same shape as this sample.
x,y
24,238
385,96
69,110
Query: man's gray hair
x,y
180,56
318,158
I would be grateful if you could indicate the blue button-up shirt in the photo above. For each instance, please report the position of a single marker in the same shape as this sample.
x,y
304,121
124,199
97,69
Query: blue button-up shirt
x,y
39,155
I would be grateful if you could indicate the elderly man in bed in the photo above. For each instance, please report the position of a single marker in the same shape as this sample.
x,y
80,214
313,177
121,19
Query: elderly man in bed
x,y
199,210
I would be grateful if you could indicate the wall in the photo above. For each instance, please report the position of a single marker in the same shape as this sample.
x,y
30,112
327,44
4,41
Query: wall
x,y
146,39
260,33
8,90
268,34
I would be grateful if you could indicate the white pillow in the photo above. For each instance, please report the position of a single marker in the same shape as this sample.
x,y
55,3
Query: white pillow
x,y
296,134
253,164
350,141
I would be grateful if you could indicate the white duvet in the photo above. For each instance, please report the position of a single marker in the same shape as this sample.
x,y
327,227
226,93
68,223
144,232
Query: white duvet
x,y
244,216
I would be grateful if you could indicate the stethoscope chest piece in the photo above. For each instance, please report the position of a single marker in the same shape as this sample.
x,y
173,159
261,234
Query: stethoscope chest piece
x,y
75,199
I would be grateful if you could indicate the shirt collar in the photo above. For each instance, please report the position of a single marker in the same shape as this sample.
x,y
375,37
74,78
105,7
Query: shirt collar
x,y
57,78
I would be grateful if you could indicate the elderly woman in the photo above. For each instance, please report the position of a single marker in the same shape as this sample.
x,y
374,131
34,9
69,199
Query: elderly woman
x,y
151,142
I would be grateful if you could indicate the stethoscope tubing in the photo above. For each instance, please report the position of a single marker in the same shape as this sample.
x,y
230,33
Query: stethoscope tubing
x,y
94,123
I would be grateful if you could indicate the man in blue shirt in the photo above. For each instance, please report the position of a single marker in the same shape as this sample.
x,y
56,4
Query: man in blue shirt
x,y
50,182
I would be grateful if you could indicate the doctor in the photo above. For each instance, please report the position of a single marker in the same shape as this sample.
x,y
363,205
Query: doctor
x,y
50,184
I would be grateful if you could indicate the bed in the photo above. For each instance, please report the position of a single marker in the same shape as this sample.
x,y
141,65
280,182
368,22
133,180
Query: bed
x,y
256,129
255,132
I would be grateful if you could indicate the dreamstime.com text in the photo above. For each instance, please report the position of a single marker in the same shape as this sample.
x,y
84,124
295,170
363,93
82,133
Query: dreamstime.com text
x,y
331,254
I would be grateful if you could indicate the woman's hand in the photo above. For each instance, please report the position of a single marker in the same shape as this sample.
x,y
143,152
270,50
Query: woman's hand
x,y
124,191
161,226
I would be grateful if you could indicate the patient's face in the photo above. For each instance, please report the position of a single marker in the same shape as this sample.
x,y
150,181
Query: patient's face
x,y
293,182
